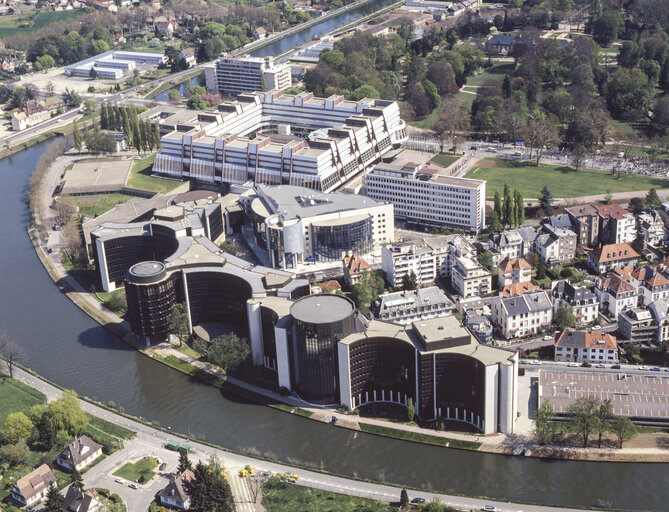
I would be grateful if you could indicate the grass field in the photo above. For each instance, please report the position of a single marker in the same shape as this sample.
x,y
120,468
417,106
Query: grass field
x,y
11,25
140,472
278,496
140,177
496,72
15,396
92,206
563,182
445,159
418,437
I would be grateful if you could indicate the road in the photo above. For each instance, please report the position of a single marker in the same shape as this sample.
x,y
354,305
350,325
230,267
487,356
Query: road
x,y
150,441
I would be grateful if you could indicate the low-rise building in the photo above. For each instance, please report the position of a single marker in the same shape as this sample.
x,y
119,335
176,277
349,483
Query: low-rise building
x,y
515,317
513,271
78,501
637,326
500,44
515,289
188,56
469,278
583,302
586,346
409,306
612,256
652,226
177,493
615,295
33,487
585,220
79,454
651,284
555,245
508,244
353,267
616,225
660,311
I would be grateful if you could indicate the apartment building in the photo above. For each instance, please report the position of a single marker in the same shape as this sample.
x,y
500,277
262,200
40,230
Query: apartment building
x,y
555,245
583,302
612,256
652,226
426,196
507,244
585,223
469,278
615,295
638,326
409,306
660,311
586,346
616,225
235,75
513,271
651,284
515,317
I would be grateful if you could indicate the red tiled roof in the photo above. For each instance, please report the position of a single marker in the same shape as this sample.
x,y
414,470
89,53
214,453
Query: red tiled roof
x,y
614,252
355,264
586,339
517,289
611,211
508,264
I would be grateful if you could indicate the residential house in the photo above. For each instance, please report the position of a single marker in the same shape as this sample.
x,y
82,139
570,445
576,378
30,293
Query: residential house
x,y
586,346
585,223
507,244
555,245
515,317
615,294
77,501
188,56
616,225
637,326
650,283
326,286
259,33
528,234
353,267
660,311
514,289
79,454
409,306
165,27
33,487
469,278
611,256
176,494
652,226
513,271
583,302
500,44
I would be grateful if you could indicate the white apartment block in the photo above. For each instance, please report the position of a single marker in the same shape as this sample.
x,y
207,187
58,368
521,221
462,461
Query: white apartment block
x,y
524,315
425,196
235,75
470,278
615,295
277,138
586,346
512,271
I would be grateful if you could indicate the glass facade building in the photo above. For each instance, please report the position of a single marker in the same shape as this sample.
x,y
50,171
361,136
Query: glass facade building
x,y
333,239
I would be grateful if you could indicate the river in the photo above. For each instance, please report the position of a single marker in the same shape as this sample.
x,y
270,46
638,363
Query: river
x,y
65,345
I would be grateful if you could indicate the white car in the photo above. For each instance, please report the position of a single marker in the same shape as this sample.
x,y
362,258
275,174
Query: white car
x,y
134,486
534,361
119,481
548,337
572,364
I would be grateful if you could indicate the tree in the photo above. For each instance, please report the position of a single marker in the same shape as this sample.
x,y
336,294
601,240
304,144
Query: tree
x,y
411,410
506,86
228,351
65,414
14,454
546,201
638,243
578,155
485,259
519,207
605,28
603,415
409,281
624,429
196,102
626,91
543,423
184,461
76,480
54,500
652,201
404,498
210,491
582,417
564,317
453,118
174,96
431,92
177,323
494,223
367,289
507,208
76,137
540,131
10,352
629,55
498,203
17,427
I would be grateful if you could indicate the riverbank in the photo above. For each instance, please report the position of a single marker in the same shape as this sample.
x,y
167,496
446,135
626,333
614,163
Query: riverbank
x,y
497,443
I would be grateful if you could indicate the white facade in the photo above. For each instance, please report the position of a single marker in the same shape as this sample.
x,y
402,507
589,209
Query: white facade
x,y
615,295
527,314
469,278
113,63
235,75
428,198
592,347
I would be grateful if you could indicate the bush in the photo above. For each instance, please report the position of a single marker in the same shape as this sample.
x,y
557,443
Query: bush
x,y
565,272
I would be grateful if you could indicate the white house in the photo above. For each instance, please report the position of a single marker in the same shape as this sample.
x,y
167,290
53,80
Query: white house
x,y
586,346
176,494
33,487
615,295
470,278
583,302
527,314
79,454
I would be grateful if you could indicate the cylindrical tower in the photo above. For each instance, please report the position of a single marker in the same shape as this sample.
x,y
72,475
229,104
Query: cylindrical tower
x,y
150,294
320,321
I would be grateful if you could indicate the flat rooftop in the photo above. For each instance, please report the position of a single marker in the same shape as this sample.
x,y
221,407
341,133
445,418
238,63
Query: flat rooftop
x,y
636,396
322,309
99,176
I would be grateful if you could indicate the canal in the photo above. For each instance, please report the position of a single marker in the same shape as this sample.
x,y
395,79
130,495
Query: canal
x,y
62,343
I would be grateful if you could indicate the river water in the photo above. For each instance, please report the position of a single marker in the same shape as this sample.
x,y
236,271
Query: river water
x,y
65,345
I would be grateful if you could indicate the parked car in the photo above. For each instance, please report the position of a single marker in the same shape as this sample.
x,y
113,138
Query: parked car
x,y
586,365
535,361
643,368
615,367
119,481
572,364
133,486
601,365
548,337
419,500
162,467
655,369
489,507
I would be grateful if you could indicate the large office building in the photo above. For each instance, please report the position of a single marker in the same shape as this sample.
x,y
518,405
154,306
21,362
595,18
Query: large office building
x,y
277,138
296,224
234,75
113,64
426,196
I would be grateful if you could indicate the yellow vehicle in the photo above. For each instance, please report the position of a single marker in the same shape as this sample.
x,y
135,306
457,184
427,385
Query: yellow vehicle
x,y
251,470
243,473
293,476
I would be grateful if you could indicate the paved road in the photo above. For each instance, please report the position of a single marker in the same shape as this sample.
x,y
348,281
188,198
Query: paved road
x,y
150,441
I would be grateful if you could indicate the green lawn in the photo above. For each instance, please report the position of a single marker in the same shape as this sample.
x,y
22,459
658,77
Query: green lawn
x,y
110,428
279,496
564,182
16,396
140,472
496,71
140,177
11,25
418,437
92,206
445,159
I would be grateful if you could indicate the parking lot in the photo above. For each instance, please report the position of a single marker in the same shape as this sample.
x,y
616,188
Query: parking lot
x,y
638,396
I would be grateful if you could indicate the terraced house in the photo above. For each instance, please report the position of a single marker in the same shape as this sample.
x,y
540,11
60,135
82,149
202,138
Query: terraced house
x,y
516,317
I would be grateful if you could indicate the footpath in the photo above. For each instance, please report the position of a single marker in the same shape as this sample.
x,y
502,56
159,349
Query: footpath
x,y
494,443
